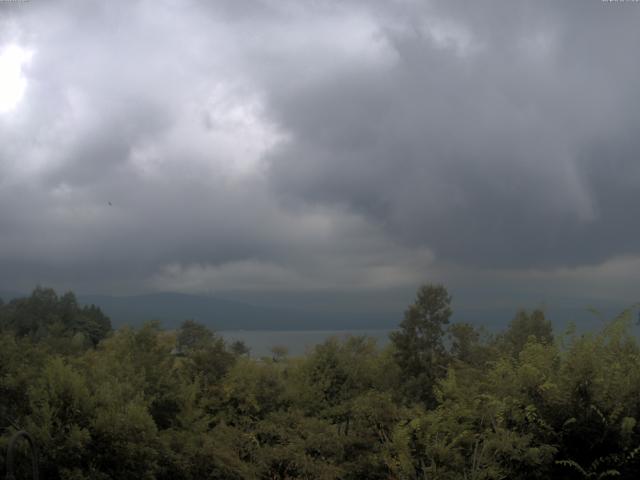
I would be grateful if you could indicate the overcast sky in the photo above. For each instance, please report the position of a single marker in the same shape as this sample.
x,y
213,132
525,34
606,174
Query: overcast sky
x,y
321,146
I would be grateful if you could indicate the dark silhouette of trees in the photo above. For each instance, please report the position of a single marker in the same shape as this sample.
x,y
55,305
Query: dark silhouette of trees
x,y
517,405
44,315
419,346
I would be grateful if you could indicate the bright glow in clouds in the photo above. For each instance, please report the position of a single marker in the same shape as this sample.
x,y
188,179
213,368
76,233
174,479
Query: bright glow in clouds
x,y
12,82
220,129
450,35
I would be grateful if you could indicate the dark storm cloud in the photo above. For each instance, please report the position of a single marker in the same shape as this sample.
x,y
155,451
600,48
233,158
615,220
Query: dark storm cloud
x,y
316,145
497,138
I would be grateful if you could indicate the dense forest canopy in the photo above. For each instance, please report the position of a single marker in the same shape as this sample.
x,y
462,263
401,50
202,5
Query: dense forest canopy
x,y
442,401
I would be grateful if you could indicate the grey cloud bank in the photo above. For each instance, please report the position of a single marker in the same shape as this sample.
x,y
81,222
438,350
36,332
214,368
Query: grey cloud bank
x,y
328,146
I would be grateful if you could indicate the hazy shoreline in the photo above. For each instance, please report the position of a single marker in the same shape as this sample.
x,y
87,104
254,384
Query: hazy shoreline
x,y
297,342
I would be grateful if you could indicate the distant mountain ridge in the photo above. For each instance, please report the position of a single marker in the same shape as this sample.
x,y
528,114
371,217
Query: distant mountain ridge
x,y
223,314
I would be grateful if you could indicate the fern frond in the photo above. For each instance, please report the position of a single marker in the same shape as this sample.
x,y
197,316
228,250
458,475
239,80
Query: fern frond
x,y
573,465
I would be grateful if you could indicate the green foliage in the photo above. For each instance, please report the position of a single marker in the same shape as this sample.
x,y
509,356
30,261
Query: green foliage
x,y
279,352
193,336
420,350
147,403
58,321
523,326
239,348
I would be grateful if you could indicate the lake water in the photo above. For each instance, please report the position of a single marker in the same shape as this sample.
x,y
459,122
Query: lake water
x,y
297,342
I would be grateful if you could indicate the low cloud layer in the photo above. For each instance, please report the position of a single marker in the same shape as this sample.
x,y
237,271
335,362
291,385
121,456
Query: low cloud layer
x,y
318,146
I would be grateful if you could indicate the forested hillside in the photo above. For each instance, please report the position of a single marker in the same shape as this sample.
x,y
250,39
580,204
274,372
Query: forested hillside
x,y
443,401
